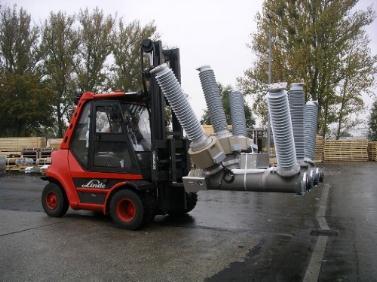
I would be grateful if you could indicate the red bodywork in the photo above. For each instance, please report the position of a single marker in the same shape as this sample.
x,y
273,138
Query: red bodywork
x,y
65,168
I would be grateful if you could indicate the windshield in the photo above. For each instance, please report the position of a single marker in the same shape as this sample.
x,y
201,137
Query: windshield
x,y
138,127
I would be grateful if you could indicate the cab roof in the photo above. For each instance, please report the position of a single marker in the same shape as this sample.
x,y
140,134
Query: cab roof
x,y
116,95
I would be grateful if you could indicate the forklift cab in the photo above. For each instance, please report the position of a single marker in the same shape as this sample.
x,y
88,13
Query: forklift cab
x,y
113,135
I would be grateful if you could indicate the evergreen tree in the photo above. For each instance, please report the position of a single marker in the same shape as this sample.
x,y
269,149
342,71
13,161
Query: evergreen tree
x,y
25,107
42,67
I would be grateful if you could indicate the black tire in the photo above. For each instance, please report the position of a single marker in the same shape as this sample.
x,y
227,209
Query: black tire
x,y
54,200
127,210
191,200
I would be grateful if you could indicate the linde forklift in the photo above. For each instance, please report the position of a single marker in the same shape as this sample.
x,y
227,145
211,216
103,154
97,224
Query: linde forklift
x,y
121,156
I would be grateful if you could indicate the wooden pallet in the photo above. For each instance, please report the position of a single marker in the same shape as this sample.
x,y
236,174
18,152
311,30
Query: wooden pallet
x,y
372,151
319,146
346,150
15,168
10,154
209,130
43,161
17,144
54,143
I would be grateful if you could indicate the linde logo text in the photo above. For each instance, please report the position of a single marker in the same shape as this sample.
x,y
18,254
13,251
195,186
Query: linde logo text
x,y
94,183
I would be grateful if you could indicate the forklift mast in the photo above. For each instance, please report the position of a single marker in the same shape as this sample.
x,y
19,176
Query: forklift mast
x,y
170,161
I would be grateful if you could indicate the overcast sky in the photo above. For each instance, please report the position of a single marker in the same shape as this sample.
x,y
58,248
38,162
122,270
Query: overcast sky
x,y
213,32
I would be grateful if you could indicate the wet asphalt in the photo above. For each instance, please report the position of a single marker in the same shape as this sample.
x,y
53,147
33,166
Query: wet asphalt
x,y
229,236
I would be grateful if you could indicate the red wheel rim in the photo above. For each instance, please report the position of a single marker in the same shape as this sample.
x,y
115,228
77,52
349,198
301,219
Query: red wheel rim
x,y
52,200
126,210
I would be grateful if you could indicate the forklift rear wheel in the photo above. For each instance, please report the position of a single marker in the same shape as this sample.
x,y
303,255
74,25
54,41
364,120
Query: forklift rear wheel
x,y
54,201
127,210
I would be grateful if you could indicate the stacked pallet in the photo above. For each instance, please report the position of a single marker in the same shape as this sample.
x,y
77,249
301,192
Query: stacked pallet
x,y
17,144
319,145
346,150
54,143
208,129
31,153
18,164
43,161
10,154
372,151
45,152
273,160
24,152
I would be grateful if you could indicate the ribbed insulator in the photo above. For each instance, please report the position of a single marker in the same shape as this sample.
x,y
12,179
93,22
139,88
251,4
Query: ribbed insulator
x,y
213,99
296,97
237,112
172,90
282,129
310,128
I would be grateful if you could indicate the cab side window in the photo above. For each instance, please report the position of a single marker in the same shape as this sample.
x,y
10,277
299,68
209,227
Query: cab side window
x,y
138,126
108,120
80,140
111,149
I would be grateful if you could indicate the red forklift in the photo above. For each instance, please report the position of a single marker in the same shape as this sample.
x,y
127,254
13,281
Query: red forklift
x,y
123,154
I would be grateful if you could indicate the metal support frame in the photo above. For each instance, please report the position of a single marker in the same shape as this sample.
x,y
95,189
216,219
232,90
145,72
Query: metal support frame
x,y
169,149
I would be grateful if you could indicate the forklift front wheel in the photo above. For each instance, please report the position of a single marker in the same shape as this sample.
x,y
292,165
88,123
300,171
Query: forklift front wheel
x,y
191,200
54,201
127,210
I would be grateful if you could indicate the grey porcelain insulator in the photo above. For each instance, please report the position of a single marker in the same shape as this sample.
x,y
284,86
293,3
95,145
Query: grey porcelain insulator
x,y
296,97
172,90
213,99
282,132
310,128
237,112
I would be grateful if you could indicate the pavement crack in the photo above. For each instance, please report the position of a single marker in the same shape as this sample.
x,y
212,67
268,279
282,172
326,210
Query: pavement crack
x,y
28,229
